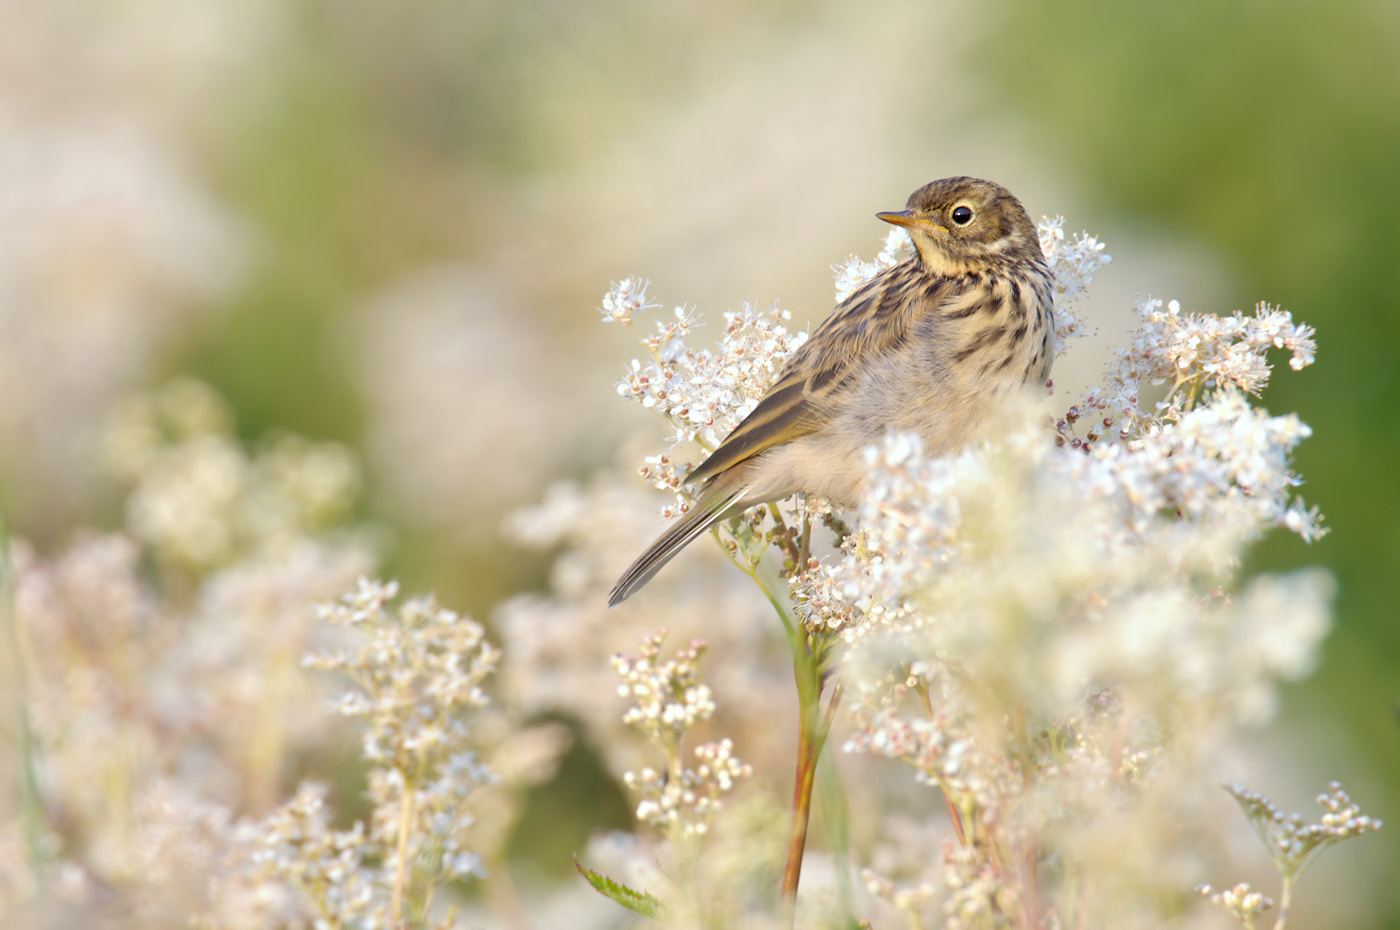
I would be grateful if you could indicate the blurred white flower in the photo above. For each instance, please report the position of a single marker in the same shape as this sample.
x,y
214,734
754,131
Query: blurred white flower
x,y
1047,626
437,353
200,500
109,249
113,247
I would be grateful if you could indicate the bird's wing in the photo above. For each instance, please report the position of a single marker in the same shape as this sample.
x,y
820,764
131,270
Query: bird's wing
x,y
873,321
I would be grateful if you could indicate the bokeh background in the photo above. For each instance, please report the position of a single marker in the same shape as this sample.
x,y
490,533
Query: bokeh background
x,y
389,225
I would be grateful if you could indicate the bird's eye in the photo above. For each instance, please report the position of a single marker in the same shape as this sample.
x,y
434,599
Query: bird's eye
x,y
962,215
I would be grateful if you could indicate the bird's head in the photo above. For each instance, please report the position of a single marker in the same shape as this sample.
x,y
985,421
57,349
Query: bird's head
x,y
960,225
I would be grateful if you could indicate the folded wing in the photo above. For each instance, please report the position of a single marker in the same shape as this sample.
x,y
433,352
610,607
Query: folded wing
x,y
874,320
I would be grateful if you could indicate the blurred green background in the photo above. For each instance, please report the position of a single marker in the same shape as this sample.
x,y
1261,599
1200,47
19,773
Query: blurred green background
x,y
427,200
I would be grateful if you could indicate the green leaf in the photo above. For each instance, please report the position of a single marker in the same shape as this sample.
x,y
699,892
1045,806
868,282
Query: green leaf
x,y
638,902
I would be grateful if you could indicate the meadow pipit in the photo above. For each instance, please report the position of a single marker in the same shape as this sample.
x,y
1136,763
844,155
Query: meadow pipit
x,y
926,346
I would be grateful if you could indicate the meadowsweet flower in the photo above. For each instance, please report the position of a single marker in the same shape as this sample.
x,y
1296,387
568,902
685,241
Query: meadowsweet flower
x,y
201,501
154,720
331,869
627,298
418,669
706,862
1291,841
704,394
1073,262
1243,902
669,700
113,246
1190,353
558,647
435,351
1048,626
669,697
854,272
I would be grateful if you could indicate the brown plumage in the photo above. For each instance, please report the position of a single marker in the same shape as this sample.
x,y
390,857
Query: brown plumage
x,y
926,346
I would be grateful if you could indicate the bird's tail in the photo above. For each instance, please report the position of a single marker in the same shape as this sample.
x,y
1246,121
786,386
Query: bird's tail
x,y
714,505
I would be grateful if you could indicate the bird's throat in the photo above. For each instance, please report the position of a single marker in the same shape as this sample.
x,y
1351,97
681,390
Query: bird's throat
x,y
936,259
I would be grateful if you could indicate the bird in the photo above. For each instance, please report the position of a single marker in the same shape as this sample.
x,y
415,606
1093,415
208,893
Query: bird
x,y
930,345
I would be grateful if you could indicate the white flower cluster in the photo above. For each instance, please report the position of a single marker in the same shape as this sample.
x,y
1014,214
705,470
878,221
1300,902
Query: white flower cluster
x,y
420,667
909,903
1042,567
703,394
854,271
1293,842
979,896
1083,576
933,735
1242,901
1183,490
127,688
683,806
296,844
558,645
1195,352
156,719
627,298
201,500
1073,264
671,700
419,670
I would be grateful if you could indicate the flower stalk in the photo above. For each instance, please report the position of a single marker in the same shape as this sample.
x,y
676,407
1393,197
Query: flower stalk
x,y
812,729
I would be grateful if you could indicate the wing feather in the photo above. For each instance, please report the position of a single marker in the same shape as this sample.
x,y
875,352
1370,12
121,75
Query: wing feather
x,y
873,321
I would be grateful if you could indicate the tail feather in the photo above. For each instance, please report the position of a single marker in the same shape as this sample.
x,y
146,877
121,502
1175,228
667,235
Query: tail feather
x,y
712,507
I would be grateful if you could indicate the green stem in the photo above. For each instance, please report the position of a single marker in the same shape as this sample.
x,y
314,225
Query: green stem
x,y
801,802
811,739
1195,393
836,820
792,626
1285,899
401,870
809,653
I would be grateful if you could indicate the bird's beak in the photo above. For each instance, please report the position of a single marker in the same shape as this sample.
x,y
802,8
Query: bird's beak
x,y
910,220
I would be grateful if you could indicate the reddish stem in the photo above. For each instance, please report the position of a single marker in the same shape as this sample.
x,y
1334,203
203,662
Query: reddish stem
x,y
953,813
801,803
811,738
957,820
